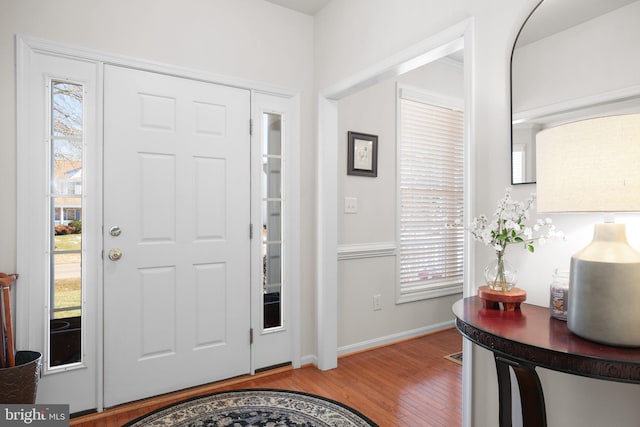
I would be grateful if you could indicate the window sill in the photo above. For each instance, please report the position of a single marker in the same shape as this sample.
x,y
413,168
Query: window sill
x,y
424,293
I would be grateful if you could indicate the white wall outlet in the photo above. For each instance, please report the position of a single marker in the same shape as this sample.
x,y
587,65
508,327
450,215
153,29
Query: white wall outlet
x,y
350,205
377,305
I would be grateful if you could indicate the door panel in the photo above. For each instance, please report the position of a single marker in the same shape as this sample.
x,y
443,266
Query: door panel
x,y
177,184
274,284
73,383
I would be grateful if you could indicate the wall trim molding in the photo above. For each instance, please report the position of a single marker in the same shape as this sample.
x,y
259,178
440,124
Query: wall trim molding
x,y
312,359
45,46
366,250
309,359
393,338
572,105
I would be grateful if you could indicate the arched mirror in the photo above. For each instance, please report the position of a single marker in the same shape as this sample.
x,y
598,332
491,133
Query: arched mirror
x,y
572,59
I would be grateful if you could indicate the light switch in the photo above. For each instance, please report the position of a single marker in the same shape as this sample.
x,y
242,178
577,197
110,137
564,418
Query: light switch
x,y
350,205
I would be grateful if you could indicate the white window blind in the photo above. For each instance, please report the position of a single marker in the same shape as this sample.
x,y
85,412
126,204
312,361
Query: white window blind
x,y
431,205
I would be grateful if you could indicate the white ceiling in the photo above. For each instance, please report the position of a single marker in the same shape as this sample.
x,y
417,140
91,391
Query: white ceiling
x,y
557,15
309,7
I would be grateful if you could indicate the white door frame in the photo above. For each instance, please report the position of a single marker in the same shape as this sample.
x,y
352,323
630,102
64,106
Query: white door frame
x,y
29,319
424,52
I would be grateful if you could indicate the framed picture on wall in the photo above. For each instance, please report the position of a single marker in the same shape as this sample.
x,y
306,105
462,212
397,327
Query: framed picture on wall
x,y
362,155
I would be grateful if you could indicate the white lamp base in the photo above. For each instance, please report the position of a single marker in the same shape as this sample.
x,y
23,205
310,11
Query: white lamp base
x,y
604,289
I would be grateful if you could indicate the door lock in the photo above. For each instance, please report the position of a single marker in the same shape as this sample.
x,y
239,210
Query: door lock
x,y
115,231
115,254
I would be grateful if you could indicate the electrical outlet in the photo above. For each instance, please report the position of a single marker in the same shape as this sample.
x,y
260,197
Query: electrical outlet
x,y
376,303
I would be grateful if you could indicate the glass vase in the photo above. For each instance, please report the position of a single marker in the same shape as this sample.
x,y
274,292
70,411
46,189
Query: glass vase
x,y
500,275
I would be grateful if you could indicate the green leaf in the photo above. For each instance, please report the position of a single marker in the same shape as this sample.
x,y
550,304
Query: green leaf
x,y
530,248
519,240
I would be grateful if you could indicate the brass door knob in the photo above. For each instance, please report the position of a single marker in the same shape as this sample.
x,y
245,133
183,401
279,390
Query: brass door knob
x,y
115,254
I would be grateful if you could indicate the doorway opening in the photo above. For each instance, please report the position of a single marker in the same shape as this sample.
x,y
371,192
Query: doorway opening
x,y
455,38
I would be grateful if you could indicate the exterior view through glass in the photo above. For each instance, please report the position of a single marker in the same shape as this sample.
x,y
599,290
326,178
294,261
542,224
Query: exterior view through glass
x,y
65,286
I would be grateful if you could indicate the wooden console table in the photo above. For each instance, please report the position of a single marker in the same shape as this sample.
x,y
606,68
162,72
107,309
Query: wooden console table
x,y
528,338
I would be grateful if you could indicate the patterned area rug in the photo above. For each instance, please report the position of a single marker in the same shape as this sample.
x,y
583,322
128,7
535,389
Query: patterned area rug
x,y
256,407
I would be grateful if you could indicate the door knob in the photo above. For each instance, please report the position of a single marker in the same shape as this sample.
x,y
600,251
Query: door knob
x,y
115,254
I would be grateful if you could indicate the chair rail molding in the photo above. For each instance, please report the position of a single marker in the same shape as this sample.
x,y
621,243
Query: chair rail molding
x,y
366,250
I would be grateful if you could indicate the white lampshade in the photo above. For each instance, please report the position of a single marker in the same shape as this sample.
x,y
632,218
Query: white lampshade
x,y
590,166
594,166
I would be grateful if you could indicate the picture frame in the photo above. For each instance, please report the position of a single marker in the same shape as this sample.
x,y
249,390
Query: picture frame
x,y
362,154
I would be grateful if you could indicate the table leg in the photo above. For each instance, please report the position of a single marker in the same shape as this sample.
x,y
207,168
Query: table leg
x,y
531,396
504,392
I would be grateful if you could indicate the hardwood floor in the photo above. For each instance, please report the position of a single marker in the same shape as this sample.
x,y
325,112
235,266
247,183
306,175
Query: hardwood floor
x,y
405,384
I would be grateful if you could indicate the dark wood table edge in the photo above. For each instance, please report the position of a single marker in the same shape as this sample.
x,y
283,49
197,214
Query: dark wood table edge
x,y
560,361
523,359
585,366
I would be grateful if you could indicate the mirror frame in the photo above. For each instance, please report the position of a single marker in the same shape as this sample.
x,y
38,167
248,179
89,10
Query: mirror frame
x,y
513,48
605,97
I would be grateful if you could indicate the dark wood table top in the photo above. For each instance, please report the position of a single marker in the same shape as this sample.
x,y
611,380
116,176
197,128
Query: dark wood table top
x,y
532,336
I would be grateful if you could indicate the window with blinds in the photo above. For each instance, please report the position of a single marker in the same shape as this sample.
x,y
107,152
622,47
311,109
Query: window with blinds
x,y
431,199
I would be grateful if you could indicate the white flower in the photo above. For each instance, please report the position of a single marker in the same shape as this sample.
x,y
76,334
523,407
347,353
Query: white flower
x,y
508,225
511,224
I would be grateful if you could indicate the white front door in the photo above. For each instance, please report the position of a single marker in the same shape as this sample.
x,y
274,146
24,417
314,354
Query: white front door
x,y
177,209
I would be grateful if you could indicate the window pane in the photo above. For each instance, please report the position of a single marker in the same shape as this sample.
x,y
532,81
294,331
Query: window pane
x,y
272,142
65,286
272,171
272,219
273,265
66,109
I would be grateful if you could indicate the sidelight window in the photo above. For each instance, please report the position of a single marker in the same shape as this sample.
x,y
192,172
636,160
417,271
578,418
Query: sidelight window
x,y
272,221
65,240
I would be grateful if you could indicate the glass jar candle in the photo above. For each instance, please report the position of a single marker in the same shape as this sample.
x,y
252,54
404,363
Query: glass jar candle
x,y
559,295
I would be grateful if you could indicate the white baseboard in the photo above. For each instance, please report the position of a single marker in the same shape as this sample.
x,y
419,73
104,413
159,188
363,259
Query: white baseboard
x,y
390,339
312,359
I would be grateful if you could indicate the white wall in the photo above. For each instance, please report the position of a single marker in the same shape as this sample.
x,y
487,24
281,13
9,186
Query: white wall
x,y
249,39
373,111
256,40
353,35
576,63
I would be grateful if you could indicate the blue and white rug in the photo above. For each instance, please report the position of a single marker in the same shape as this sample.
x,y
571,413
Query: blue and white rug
x,y
256,407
